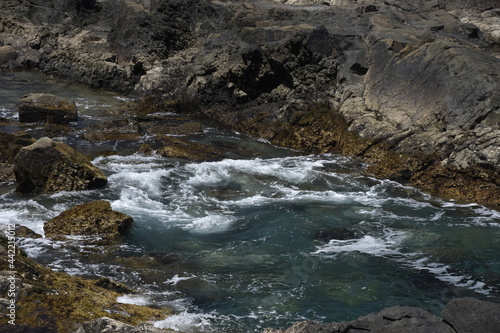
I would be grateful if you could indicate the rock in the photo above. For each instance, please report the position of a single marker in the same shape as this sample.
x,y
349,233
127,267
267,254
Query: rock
x,y
50,301
94,218
7,53
47,166
178,148
22,231
46,108
122,129
10,144
468,315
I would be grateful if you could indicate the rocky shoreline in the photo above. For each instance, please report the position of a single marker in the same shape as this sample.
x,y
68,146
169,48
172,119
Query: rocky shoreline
x,y
410,87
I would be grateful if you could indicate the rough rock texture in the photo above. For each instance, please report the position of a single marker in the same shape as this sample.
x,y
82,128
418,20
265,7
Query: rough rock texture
x,y
92,218
409,85
472,315
47,166
46,108
49,301
10,144
461,315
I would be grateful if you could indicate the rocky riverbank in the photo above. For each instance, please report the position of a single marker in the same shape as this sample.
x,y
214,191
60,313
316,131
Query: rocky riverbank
x,y
410,86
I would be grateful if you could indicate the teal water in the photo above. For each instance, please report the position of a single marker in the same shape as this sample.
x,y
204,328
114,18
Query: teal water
x,y
233,245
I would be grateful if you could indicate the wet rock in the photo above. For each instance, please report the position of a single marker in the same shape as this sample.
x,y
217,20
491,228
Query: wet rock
x,y
22,231
178,148
472,315
93,218
46,108
7,53
10,144
122,129
47,166
184,128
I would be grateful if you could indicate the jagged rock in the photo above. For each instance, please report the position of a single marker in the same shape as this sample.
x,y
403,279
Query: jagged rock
x,y
46,108
468,315
7,53
92,218
50,301
47,166
10,144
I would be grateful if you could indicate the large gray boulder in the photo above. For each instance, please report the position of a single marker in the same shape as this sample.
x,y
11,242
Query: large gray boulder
x,y
462,315
47,166
470,315
90,219
46,108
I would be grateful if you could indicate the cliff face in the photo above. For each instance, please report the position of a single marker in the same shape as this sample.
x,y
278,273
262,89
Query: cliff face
x,y
409,85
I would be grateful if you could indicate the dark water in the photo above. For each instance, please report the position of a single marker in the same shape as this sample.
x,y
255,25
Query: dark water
x,y
233,245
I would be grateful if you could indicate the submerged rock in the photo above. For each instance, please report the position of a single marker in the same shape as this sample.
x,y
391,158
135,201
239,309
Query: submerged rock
x,y
472,315
47,166
178,148
93,218
338,234
47,108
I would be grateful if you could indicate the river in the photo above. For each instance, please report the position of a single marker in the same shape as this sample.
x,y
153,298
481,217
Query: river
x,y
243,244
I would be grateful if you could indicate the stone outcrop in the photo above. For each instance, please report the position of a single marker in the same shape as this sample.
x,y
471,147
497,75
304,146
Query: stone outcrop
x,y
10,144
49,301
415,82
461,315
94,218
47,166
46,108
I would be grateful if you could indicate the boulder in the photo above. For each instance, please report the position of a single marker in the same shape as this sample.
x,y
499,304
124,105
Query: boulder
x,y
92,218
178,148
468,315
7,53
46,108
47,166
10,144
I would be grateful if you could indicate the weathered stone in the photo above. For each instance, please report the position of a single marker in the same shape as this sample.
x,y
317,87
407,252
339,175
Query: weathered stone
x,y
92,218
10,144
50,301
178,148
22,231
468,315
47,108
47,166
122,129
7,53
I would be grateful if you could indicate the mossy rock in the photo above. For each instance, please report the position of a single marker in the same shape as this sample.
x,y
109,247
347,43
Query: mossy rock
x,y
94,218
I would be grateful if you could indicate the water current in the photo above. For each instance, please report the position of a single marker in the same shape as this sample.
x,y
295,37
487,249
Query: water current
x,y
261,239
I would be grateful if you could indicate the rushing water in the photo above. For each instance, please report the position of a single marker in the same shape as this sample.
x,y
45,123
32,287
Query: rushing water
x,y
233,245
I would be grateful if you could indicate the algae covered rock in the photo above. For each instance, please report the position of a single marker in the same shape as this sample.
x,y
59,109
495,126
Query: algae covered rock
x,y
92,218
47,166
46,108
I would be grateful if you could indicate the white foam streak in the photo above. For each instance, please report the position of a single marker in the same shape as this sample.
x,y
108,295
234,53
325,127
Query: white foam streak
x,y
186,322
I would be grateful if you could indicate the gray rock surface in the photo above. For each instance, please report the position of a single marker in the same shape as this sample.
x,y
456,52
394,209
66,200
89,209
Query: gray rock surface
x,y
461,315
46,108
47,166
420,76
